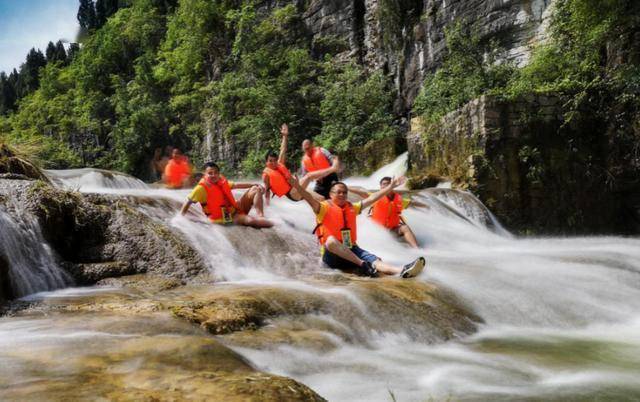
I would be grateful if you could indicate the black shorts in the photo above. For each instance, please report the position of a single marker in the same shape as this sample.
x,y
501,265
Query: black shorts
x,y
323,186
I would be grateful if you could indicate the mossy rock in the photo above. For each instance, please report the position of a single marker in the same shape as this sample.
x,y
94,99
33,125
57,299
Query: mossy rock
x,y
13,164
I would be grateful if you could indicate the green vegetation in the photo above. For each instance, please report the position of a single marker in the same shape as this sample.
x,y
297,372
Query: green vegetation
x,y
160,72
574,62
468,71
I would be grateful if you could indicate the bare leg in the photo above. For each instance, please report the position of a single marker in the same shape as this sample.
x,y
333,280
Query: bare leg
x,y
258,223
335,247
251,198
405,230
386,269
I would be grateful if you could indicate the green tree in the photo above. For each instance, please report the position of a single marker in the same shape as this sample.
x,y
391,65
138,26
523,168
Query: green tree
x,y
356,108
28,79
7,94
87,15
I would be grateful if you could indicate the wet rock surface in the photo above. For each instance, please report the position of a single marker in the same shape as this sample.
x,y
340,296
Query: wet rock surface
x,y
97,237
156,340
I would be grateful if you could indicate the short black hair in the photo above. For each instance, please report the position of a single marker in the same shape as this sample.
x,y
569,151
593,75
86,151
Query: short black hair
x,y
270,154
212,165
335,183
386,178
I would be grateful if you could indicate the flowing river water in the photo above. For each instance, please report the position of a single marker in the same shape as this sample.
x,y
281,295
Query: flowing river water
x,y
560,317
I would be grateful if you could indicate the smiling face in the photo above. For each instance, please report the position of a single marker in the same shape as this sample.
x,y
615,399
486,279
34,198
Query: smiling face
x,y
212,174
338,194
272,162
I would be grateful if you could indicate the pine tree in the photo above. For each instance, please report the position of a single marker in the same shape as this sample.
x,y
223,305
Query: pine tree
x,y
74,48
101,13
28,80
104,10
50,52
7,94
61,53
87,15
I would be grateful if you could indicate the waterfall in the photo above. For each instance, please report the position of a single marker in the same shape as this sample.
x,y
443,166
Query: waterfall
x,y
560,315
32,264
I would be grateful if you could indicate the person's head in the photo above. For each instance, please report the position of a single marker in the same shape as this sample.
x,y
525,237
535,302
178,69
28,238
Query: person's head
x,y
307,146
157,153
385,181
212,172
272,160
168,150
338,193
176,153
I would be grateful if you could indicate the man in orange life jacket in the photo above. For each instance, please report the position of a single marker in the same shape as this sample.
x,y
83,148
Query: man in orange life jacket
x,y
177,172
337,232
387,212
320,165
276,175
213,193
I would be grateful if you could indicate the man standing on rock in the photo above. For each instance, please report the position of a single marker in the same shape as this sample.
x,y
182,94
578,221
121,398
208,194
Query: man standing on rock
x,y
213,193
337,231
320,165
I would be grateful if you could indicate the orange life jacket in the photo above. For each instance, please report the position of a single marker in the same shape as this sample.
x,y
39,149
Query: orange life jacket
x,y
335,220
317,161
219,199
387,212
176,172
278,179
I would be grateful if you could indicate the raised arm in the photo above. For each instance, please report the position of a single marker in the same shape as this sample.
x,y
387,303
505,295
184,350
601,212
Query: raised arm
x,y
313,203
361,193
284,130
398,181
267,188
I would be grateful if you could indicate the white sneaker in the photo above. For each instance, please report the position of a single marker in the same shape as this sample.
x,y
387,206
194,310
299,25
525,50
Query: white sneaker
x,y
413,269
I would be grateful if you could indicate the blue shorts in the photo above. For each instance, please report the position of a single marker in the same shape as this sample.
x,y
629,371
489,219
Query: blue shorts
x,y
334,261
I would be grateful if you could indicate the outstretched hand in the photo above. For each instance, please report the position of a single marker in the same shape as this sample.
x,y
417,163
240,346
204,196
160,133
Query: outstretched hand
x,y
284,130
398,181
293,181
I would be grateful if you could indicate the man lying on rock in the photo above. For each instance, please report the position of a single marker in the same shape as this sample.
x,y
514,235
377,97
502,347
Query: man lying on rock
x,y
337,231
213,192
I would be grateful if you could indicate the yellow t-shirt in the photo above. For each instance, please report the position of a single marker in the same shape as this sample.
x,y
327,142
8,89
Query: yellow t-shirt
x,y
324,207
199,193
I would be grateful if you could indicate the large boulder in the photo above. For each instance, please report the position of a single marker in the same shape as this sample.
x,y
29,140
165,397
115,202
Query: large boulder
x,y
100,237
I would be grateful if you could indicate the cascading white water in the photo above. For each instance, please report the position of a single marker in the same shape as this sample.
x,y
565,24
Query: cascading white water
x,y
561,315
90,179
32,265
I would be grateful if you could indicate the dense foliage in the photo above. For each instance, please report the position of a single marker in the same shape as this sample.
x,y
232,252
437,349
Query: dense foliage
x,y
158,72
575,60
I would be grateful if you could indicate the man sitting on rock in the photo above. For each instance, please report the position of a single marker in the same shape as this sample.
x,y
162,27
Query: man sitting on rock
x,y
276,175
387,212
320,165
213,192
337,231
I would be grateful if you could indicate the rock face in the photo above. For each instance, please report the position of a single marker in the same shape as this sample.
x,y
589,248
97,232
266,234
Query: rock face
x,y
531,168
405,38
98,237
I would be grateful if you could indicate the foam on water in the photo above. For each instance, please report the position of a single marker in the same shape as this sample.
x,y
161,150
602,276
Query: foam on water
x,y
561,315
